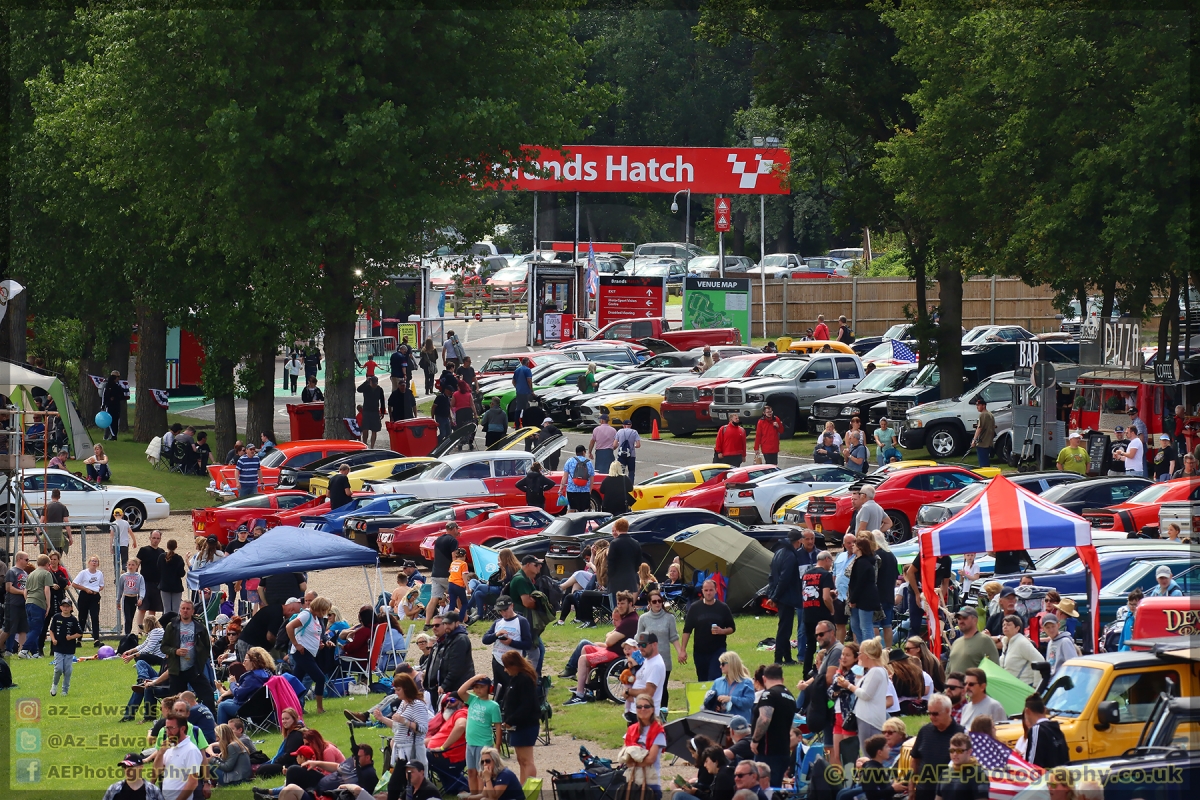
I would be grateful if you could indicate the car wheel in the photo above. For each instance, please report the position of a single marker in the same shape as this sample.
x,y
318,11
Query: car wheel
x,y
942,441
135,513
778,505
643,420
1002,449
682,433
900,531
597,502
493,543
787,414
8,515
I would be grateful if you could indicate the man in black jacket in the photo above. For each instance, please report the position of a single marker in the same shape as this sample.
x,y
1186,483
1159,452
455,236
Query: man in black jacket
x,y
624,558
888,572
783,589
452,662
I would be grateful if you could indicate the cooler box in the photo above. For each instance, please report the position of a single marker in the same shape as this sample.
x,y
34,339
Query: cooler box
x,y
413,437
307,420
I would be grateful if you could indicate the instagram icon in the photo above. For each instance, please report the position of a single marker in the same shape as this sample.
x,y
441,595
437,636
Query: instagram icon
x,y
29,709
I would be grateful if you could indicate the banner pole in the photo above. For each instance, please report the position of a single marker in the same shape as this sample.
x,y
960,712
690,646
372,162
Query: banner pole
x,y
762,256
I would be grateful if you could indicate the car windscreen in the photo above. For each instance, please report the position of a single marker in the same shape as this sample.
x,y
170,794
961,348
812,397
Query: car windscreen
x,y
510,274
1070,692
774,261
275,458
728,368
896,331
883,380
785,368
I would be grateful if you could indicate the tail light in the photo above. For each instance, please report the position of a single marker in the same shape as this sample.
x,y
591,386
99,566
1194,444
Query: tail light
x,y
637,493
746,493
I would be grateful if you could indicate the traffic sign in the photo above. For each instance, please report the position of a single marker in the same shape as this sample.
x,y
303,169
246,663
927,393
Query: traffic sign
x,y
722,216
478,317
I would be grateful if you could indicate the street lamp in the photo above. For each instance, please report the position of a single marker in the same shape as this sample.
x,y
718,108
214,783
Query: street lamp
x,y
687,222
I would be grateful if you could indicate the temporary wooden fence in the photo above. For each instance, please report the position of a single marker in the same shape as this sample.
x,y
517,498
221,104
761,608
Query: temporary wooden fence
x,y
874,304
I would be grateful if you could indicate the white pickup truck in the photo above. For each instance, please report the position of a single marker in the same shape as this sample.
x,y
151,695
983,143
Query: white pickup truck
x,y
1185,514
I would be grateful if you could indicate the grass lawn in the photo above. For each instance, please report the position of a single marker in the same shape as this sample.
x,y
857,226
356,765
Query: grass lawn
x,y
127,460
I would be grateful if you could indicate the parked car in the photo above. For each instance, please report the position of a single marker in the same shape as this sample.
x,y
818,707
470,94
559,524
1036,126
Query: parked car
x,y
292,477
660,328
89,503
366,529
680,250
224,519
686,406
1073,578
689,360
650,528
706,266
867,401
286,456
996,333
508,285
1095,492
900,493
711,494
331,520
656,490
1141,510
507,363
790,386
643,406
385,469
404,541
1037,482
493,528
778,265
560,376
757,500
563,403
1140,575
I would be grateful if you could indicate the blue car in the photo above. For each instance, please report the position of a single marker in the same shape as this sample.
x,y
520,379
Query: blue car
x,y
365,505
1072,578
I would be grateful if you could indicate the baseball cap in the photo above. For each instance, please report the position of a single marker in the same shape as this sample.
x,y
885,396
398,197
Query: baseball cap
x,y
1132,410
547,421
1164,438
503,602
291,600
304,750
1163,572
630,642
530,560
1008,591
66,601
647,638
1075,435
221,619
604,417
484,681
1119,429
450,617
965,612
408,563
739,723
132,760
118,512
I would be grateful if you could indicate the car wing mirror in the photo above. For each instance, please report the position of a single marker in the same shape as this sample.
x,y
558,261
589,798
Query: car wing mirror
x,y
1107,713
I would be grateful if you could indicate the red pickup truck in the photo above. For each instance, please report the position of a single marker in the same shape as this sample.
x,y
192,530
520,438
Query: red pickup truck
x,y
637,329
685,408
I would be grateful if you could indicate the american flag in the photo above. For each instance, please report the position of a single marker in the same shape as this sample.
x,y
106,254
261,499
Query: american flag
x,y
161,397
1008,771
903,353
593,273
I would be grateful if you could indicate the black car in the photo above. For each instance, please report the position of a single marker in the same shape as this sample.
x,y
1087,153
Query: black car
x,y
1039,483
292,478
365,530
868,401
1095,492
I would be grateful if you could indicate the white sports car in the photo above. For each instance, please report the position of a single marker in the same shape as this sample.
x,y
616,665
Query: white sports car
x,y
756,501
87,503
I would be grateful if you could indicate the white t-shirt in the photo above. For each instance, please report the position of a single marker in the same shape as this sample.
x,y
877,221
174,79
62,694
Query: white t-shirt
x,y
180,762
120,530
1136,463
653,671
309,632
893,700
928,686
513,628
90,580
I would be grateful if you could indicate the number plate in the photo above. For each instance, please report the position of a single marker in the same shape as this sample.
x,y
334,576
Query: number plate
x,y
558,568
733,512
817,528
721,415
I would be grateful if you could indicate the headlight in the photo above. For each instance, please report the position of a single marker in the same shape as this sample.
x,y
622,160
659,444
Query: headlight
x,y
755,398
160,499
603,409
849,411
622,408
914,423
706,392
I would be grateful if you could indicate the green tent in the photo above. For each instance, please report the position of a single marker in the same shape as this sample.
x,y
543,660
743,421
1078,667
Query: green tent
x,y
17,382
744,562
1005,688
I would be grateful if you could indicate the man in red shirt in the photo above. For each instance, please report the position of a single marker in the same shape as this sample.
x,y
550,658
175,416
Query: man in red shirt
x,y
821,332
731,443
766,436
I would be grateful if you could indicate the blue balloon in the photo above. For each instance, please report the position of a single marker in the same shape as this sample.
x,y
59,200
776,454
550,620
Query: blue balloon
x,y
103,419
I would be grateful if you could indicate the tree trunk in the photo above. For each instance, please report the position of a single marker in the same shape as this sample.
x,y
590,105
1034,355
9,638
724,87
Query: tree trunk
x,y
949,332
1168,313
15,323
118,359
224,417
151,419
338,314
87,397
260,405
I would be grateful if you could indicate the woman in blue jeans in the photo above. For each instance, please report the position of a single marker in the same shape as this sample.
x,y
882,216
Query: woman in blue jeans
x,y
305,632
507,567
863,597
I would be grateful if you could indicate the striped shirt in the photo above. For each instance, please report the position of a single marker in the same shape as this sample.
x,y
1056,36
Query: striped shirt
x,y
404,741
247,467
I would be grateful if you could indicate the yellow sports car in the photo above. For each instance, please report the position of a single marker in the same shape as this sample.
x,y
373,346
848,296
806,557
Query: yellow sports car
x,y
644,406
656,491
387,469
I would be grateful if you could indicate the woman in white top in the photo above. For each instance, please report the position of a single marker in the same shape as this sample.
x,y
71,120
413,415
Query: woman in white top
x,y
89,583
969,573
305,632
1019,654
870,691
832,431
97,465
410,723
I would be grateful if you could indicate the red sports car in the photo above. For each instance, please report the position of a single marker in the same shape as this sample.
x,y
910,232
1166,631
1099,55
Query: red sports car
x,y
223,477
293,516
900,493
1141,510
493,528
711,493
225,519
404,541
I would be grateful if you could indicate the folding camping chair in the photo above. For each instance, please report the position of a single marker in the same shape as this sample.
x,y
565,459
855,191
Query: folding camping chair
x,y
695,693
365,667
258,713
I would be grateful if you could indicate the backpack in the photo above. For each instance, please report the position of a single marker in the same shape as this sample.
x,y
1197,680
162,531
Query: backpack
x,y
581,382
549,587
1056,750
423,362
579,473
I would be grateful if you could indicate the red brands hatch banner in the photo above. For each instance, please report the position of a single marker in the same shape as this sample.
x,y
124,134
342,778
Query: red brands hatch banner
x,y
704,170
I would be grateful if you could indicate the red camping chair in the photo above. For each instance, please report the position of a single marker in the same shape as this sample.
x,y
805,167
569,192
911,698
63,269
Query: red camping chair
x,y
366,667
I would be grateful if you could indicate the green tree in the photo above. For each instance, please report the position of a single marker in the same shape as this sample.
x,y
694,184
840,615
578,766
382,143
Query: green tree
x,y
314,143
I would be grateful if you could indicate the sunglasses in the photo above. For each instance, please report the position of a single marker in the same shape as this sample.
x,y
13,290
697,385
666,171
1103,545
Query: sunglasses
x,y
485,761
950,686
643,645
969,684
744,774
912,649
651,708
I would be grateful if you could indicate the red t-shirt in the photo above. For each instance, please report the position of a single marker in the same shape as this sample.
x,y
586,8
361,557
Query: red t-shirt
x,y
766,435
821,331
370,365
457,752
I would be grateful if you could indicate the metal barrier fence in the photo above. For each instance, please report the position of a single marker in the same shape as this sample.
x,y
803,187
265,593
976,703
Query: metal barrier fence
x,y
374,346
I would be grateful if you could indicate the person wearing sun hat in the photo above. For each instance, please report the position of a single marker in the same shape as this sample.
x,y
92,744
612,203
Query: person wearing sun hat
x,y
133,784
